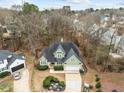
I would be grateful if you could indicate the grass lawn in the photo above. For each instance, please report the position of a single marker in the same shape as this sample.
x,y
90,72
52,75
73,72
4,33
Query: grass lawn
x,y
6,85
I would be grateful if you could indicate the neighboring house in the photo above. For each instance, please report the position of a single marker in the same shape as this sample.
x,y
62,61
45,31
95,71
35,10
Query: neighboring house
x,y
63,53
11,62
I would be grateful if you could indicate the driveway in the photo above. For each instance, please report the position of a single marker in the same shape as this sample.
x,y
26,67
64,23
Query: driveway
x,y
73,82
22,85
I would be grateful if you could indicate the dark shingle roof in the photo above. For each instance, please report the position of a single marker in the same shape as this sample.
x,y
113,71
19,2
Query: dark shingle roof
x,y
4,54
13,58
66,46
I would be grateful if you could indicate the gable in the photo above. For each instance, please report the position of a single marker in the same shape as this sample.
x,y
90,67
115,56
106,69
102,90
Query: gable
x,y
73,60
43,58
59,53
17,62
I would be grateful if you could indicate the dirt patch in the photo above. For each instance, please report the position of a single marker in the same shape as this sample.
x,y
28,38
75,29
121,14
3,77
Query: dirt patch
x,y
40,76
112,81
109,81
89,77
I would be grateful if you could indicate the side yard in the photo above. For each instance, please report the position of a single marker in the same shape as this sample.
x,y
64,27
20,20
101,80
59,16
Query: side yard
x,y
112,81
6,84
109,81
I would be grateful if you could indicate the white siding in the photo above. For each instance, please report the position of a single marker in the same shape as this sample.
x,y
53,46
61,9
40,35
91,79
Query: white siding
x,y
43,61
16,63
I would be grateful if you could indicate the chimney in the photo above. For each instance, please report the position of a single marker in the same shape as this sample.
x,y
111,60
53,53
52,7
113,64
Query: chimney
x,y
61,39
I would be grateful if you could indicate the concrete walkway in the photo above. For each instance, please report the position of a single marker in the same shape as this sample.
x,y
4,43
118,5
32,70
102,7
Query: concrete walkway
x,y
22,85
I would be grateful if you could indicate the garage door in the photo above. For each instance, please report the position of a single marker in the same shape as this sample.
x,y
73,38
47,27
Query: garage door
x,y
18,67
72,67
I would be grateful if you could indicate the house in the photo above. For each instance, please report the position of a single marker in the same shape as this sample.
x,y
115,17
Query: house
x,y
63,53
11,62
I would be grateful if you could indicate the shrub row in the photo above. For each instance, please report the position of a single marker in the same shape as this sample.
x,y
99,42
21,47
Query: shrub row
x,y
42,67
4,74
58,68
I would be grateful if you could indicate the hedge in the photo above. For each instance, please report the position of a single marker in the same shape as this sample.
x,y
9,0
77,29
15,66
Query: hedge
x,y
4,74
98,85
58,68
91,87
47,81
97,79
42,67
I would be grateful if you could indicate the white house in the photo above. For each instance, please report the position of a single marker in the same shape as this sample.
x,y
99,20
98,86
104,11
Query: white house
x,y
63,53
11,62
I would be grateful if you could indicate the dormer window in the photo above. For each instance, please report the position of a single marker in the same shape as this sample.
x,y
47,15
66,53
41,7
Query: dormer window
x,y
59,53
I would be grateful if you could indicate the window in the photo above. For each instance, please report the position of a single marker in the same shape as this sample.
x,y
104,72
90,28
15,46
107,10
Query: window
x,y
59,55
17,67
43,60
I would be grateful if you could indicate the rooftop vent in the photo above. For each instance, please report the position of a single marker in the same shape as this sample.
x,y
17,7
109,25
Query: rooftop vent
x,y
62,40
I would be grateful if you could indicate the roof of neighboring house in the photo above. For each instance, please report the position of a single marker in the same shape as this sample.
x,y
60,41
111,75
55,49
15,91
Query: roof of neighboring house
x,y
13,58
4,54
68,47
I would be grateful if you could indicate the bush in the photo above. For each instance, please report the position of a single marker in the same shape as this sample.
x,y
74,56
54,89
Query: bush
x,y
81,71
4,74
91,87
98,85
47,81
121,68
97,79
96,75
58,68
42,67
62,83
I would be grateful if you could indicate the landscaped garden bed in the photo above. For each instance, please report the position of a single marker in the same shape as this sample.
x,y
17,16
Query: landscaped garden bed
x,y
53,84
42,67
58,68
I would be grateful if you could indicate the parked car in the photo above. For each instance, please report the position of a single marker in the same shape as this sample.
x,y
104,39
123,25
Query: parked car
x,y
17,76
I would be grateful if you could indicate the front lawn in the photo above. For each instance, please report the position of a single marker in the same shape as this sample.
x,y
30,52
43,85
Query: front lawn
x,y
39,76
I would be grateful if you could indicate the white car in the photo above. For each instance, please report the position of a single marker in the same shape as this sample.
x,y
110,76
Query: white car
x,y
17,76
